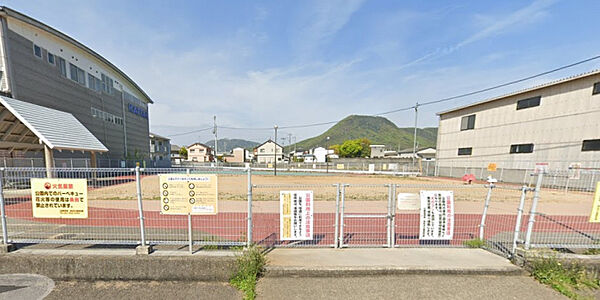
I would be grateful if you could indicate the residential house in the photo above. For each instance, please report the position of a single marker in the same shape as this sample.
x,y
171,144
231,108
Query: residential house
x,y
160,151
268,151
199,152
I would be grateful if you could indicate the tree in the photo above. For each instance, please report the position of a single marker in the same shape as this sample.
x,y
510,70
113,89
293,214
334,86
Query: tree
x,y
183,152
354,148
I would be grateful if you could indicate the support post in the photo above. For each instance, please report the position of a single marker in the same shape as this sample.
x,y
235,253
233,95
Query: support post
x,y
485,209
536,198
337,216
249,237
49,161
519,217
389,217
190,234
393,215
5,246
341,236
143,248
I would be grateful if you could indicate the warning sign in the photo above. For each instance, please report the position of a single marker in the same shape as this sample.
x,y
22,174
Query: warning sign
x,y
188,194
492,167
437,215
59,198
296,215
595,215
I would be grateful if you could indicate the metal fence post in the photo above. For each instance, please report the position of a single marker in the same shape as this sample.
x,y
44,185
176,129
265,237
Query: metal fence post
x,y
343,196
389,217
190,234
536,198
249,237
519,217
337,216
485,209
140,206
393,215
3,211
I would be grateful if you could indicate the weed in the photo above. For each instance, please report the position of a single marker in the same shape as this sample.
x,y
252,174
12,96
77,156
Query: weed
x,y
474,243
568,280
250,265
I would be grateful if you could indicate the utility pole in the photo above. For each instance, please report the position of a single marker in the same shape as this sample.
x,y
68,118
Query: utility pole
x,y
415,136
215,133
327,154
275,152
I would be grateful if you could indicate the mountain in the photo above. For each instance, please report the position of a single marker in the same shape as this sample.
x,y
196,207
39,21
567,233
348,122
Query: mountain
x,y
226,145
378,130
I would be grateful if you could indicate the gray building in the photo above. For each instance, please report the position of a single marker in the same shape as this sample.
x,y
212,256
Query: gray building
x,y
43,66
160,151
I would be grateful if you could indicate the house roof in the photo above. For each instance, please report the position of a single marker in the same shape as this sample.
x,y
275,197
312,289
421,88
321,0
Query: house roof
x,y
154,135
269,140
200,144
23,18
534,88
57,129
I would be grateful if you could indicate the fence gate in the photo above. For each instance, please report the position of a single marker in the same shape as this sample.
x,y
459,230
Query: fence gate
x,y
366,215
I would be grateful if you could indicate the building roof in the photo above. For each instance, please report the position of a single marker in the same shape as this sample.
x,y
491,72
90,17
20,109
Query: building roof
x,y
377,146
156,136
534,88
57,129
269,140
23,18
199,144
175,147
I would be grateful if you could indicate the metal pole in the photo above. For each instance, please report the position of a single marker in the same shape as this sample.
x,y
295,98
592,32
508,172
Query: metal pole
x,y
140,207
337,216
216,147
190,241
519,217
275,152
415,136
393,215
2,210
536,198
341,236
249,237
389,217
485,209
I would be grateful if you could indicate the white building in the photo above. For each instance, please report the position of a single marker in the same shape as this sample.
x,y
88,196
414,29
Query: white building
x,y
266,152
321,154
555,123
377,151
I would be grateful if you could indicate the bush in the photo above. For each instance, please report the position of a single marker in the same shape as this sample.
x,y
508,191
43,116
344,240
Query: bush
x,y
474,243
567,280
250,266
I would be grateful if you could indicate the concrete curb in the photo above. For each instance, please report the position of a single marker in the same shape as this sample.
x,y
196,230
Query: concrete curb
x,y
272,271
132,267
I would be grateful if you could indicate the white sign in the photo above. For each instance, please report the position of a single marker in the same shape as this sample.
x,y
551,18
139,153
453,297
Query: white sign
x,y
437,215
575,171
541,168
408,201
296,215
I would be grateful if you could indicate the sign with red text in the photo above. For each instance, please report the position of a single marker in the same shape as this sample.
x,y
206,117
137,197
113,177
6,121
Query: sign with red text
x,y
437,215
59,198
296,215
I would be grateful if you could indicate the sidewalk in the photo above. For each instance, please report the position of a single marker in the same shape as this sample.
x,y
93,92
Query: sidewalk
x,y
362,261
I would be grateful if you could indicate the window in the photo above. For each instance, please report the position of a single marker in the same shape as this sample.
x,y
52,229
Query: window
x,y
37,51
521,148
465,151
590,145
529,102
596,88
107,84
62,66
467,122
77,74
50,58
94,83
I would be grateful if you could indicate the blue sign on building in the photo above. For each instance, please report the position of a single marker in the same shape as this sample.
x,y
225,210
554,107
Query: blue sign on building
x,y
138,111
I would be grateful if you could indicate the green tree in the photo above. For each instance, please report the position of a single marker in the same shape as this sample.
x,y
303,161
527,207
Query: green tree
x,y
183,152
354,148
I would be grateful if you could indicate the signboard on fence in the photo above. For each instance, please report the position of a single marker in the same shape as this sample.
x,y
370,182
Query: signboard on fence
x,y
541,168
408,201
574,171
436,215
339,166
296,215
59,198
188,194
492,167
595,215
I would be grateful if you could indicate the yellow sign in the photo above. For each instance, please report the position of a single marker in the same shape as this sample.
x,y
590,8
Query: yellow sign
x,y
188,194
269,165
340,166
59,198
595,215
492,167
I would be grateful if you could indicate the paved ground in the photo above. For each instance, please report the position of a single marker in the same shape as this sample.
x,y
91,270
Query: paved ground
x,y
406,287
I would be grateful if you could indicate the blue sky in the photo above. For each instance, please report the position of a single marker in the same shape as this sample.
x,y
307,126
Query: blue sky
x,y
259,63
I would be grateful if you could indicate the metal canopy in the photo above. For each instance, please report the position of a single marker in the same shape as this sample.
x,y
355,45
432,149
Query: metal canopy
x,y
25,126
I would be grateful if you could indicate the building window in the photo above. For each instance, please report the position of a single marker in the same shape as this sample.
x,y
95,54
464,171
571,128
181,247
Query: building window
x,y
94,83
62,66
590,145
77,74
50,58
465,151
529,102
596,88
37,51
467,122
521,148
107,84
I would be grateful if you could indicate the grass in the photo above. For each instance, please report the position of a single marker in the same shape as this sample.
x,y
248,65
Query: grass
x,y
569,280
250,265
474,243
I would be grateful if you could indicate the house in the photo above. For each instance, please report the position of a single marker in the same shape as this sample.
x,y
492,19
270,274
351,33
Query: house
x,y
268,151
427,153
176,158
554,123
321,154
199,152
160,151
238,155
377,151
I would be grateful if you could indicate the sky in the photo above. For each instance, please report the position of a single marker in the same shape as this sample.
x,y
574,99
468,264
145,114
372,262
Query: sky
x,y
256,64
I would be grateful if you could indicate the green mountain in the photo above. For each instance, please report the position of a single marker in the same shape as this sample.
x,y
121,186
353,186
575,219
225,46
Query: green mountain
x,y
226,145
379,130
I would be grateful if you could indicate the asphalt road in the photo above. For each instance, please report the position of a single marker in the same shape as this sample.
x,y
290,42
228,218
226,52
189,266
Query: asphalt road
x,y
406,287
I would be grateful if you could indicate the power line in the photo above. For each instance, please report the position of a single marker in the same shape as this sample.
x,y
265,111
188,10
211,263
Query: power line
x,y
190,132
